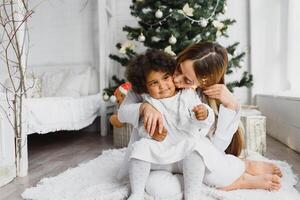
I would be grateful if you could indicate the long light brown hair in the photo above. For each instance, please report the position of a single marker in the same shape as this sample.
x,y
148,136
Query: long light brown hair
x,y
210,61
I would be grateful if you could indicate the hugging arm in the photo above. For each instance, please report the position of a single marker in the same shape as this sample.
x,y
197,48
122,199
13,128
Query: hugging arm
x,y
132,108
129,111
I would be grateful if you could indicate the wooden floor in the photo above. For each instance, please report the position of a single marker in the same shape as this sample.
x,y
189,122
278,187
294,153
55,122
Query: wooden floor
x,y
53,153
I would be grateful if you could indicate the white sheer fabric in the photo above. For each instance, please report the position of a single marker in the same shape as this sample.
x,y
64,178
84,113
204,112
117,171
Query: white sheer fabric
x,y
293,54
275,46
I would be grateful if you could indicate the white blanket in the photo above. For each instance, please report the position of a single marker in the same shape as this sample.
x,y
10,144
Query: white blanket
x,y
48,114
96,180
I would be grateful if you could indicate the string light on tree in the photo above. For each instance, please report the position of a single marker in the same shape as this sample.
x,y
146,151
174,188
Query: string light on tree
x,y
162,23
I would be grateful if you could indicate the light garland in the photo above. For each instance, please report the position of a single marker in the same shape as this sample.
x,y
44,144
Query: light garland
x,y
186,16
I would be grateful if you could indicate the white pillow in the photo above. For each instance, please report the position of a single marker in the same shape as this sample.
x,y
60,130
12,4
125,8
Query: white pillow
x,y
85,83
33,86
93,82
67,82
70,86
163,185
75,84
51,81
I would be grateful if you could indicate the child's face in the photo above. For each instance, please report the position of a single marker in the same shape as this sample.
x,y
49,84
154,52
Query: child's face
x,y
160,85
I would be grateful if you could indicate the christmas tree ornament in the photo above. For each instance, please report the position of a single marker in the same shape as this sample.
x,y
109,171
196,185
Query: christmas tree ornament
x,y
198,38
203,22
217,24
146,10
155,39
105,97
188,10
141,37
172,40
126,45
234,53
161,22
113,99
168,50
158,14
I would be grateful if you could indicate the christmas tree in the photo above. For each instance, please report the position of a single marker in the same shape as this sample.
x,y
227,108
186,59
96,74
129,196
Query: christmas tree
x,y
173,25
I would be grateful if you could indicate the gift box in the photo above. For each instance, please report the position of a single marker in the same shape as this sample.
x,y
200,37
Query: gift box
x,y
254,130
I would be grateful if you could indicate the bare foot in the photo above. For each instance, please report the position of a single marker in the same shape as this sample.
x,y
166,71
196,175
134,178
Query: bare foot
x,y
248,181
261,167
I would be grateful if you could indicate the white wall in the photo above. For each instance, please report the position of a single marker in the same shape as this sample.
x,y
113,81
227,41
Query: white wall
x,y
122,18
64,32
238,32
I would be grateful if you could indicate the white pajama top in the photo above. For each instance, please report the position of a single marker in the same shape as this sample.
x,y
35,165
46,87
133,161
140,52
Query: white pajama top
x,y
185,133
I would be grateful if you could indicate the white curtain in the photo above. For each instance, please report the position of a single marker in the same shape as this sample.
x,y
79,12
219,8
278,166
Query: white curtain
x,y
293,51
275,46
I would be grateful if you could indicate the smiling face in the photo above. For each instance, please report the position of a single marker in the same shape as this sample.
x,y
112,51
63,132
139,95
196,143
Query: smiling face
x,y
160,85
185,77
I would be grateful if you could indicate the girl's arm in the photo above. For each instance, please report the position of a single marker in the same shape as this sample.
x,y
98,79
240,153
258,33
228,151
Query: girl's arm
x,y
204,123
228,117
129,111
132,108
221,93
227,125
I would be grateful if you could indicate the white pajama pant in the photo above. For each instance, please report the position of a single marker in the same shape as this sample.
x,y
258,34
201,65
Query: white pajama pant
x,y
220,178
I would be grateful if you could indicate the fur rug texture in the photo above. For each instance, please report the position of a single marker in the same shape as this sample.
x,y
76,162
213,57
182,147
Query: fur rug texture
x,y
96,180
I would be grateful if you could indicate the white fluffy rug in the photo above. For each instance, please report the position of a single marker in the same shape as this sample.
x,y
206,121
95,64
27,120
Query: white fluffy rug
x,y
95,180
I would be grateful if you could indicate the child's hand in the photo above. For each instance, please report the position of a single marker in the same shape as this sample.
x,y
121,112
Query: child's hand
x,y
201,112
159,136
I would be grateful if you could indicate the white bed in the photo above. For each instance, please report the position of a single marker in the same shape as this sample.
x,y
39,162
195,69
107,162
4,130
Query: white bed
x,y
64,97
49,114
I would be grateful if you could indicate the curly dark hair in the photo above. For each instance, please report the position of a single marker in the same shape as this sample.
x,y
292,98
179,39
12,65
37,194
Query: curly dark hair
x,y
152,60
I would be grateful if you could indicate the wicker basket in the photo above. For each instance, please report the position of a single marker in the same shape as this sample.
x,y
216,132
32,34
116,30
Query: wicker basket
x,y
121,136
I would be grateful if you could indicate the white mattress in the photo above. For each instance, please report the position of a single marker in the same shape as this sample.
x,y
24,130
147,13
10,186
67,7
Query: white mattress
x,y
48,114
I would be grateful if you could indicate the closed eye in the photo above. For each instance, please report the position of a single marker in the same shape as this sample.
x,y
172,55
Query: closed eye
x,y
153,83
188,81
167,76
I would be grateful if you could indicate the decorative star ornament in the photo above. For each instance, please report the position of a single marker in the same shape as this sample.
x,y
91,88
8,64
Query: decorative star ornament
x,y
188,10
168,50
